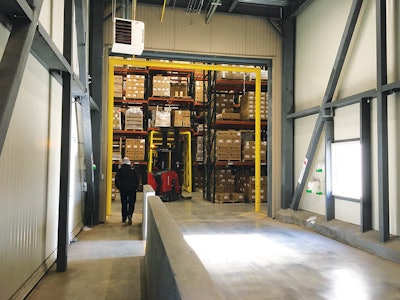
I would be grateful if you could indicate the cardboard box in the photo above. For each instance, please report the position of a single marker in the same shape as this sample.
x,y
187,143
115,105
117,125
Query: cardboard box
x,y
181,118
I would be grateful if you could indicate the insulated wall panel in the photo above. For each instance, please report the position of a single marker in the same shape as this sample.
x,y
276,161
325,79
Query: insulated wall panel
x,y
23,182
347,122
319,30
303,130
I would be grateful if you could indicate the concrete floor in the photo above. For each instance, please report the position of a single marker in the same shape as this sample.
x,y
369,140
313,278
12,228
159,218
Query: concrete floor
x,y
105,262
248,255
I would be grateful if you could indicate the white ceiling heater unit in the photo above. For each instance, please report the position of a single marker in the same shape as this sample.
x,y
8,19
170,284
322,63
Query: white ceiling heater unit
x,y
128,37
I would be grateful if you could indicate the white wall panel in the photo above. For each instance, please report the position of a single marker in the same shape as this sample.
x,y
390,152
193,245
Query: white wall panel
x,y
23,182
57,28
303,131
53,170
347,122
359,71
319,31
45,15
347,211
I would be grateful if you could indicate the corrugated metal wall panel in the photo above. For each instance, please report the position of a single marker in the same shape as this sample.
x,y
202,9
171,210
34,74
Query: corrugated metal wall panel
x,y
158,35
227,35
261,39
189,28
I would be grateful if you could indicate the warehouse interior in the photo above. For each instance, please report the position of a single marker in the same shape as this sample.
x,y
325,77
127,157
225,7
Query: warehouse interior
x,y
305,91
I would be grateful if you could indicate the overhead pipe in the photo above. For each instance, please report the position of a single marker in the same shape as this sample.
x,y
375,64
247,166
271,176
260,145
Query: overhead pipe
x,y
163,10
212,9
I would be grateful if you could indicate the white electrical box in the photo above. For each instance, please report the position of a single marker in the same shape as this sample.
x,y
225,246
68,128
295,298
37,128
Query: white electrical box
x,y
128,37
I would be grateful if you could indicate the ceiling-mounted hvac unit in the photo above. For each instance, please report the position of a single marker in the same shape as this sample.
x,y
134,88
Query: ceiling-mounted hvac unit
x,y
128,37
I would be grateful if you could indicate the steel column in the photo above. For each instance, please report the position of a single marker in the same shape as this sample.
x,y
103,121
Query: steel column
x,y
365,140
13,64
96,91
383,185
329,199
289,41
91,212
334,77
63,239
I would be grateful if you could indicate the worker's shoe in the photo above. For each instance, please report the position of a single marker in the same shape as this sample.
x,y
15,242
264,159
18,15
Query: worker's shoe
x,y
124,220
130,220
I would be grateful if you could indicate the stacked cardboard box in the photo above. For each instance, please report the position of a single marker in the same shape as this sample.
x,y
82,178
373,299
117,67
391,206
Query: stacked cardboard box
x,y
161,118
117,118
228,114
197,179
199,92
232,74
248,106
161,86
134,118
181,118
179,87
134,86
228,145
225,181
249,148
118,86
135,149
250,190
224,102
117,150
114,189
229,197
199,148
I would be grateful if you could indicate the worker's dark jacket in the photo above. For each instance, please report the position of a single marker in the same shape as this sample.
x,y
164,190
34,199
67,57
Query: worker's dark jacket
x,y
126,179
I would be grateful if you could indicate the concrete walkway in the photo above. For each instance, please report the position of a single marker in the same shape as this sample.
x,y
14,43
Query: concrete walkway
x,y
105,262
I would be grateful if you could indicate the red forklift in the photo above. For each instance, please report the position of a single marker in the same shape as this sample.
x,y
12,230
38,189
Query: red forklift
x,y
164,178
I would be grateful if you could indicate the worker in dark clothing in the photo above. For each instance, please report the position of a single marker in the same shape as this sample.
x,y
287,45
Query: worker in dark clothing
x,y
127,181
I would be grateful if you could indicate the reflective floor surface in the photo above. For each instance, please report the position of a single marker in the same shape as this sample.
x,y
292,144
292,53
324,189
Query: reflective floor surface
x,y
248,255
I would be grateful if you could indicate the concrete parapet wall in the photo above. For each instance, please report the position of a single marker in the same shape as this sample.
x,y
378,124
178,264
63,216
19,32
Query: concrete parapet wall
x,y
173,270
147,191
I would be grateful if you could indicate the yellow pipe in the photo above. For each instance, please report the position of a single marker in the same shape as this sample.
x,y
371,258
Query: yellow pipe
x,y
163,10
149,165
257,131
188,162
110,108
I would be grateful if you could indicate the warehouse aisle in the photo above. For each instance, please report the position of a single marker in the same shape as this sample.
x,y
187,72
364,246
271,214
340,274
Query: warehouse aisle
x,y
105,262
